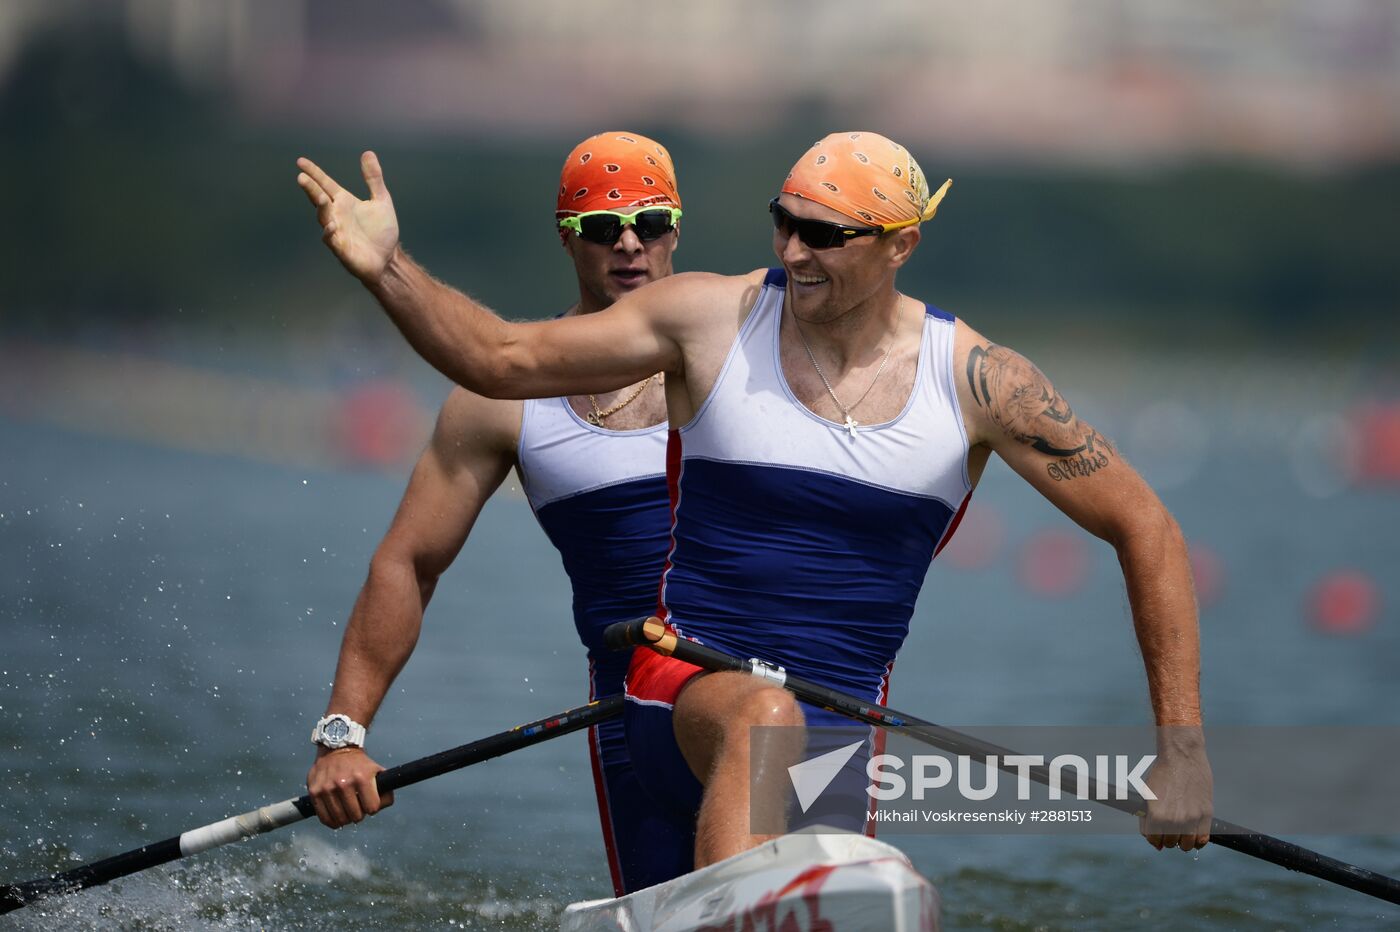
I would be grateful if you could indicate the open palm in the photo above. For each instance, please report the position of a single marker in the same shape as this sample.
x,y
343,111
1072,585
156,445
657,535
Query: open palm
x,y
362,234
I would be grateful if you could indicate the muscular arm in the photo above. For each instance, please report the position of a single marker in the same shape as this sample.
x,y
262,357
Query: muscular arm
x,y
469,344
471,451
1013,409
639,335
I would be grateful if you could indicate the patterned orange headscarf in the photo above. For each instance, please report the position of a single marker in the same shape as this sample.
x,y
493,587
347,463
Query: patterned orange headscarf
x,y
865,176
611,171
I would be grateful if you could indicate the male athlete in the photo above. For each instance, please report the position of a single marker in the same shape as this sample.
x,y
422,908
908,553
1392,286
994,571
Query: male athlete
x,y
826,433
593,467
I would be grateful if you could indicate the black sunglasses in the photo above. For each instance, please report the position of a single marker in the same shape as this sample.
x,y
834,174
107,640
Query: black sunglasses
x,y
815,234
605,227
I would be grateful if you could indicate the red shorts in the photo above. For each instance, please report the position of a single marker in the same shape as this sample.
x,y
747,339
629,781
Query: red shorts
x,y
656,680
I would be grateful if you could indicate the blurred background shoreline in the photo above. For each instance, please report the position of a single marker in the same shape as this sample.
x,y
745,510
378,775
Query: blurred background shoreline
x,y
1226,174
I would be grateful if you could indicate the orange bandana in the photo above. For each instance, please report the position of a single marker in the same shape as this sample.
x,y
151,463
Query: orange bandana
x,y
611,171
867,176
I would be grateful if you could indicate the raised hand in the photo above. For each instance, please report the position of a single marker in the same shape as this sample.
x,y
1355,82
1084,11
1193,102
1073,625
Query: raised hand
x,y
362,234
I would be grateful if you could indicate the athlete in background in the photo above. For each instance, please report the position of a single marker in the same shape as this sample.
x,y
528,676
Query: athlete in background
x,y
593,467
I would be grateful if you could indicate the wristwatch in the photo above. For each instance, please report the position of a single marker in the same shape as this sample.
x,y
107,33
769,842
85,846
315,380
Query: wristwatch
x,y
338,731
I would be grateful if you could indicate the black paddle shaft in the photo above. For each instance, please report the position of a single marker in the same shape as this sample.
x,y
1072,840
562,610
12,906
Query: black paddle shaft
x,y
14,896
648,632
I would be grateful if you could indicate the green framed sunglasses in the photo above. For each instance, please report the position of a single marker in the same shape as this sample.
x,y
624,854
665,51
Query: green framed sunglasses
x,y
605,226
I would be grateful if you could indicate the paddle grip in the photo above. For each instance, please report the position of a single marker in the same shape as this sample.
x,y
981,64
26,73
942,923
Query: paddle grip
x,y
625,635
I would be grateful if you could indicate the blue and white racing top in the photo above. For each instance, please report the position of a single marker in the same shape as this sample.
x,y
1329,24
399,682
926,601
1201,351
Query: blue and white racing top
x,y
600,496
788,531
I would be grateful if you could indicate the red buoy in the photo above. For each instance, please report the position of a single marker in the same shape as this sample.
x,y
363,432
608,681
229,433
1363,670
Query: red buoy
x,y
1208,570
1054,563
1376,428
1344,602
381,424
977,542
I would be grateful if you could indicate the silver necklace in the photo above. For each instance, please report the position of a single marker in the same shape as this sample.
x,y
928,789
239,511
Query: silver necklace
x,y
850,423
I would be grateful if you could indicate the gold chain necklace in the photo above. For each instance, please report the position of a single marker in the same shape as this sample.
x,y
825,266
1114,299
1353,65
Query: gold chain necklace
x,y
850,423
596,417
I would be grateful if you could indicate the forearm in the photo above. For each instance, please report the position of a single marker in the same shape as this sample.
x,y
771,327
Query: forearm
x,y
458,336
380,637
1157,571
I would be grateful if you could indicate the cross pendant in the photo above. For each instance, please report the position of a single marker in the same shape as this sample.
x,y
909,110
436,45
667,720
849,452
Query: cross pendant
x,y
850,426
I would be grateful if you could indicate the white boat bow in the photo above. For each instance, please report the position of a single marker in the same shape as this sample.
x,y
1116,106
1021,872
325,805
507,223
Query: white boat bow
x,y
820,882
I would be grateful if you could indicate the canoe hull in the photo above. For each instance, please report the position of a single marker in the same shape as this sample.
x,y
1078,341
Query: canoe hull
x,y
828,882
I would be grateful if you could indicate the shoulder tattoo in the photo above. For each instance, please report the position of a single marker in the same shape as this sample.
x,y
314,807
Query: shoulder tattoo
x,y
1021,401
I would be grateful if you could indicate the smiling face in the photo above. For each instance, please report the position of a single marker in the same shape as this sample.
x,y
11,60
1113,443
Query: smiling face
x,y
824,284
606,273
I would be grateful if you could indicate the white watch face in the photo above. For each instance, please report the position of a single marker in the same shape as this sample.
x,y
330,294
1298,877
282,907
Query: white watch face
x,y
338,731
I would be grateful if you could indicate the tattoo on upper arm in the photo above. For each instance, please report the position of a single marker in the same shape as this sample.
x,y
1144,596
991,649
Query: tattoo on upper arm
x,y
1021,401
